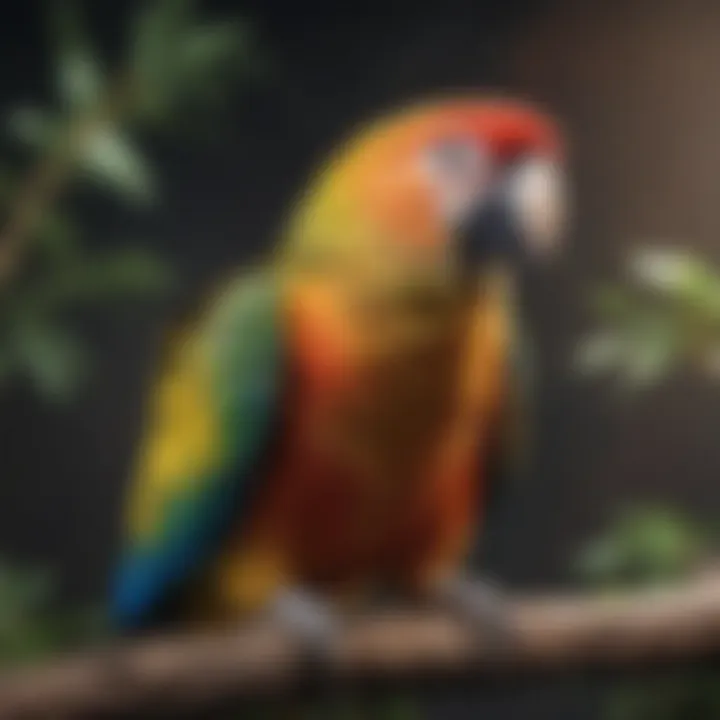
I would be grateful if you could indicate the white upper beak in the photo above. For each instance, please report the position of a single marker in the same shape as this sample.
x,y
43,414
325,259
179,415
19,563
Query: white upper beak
x,y
538,197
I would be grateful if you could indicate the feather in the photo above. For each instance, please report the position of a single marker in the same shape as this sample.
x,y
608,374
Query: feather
x,y
215,413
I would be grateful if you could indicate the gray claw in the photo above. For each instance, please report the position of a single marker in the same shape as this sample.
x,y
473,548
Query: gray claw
x,y
310,619
481,603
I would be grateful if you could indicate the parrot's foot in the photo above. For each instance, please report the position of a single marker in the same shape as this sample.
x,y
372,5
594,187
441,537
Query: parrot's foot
x,y
311,620
482,603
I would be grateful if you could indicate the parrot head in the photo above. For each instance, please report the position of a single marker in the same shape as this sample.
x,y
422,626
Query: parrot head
x,y
437,194
492,177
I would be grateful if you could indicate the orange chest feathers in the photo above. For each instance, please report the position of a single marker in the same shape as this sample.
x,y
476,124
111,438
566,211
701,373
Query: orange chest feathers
x,y
383,450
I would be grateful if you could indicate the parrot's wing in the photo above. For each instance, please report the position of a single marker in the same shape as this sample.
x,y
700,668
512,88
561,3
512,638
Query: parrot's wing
x,y
215,413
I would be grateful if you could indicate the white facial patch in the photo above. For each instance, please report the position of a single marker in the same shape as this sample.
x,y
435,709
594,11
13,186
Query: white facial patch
x,y
459,171
538,197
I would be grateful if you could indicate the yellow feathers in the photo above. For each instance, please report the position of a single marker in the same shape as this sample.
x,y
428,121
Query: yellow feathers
x,y
182,438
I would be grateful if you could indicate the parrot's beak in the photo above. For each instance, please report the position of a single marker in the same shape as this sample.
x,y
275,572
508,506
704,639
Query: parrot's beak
x,y
521,219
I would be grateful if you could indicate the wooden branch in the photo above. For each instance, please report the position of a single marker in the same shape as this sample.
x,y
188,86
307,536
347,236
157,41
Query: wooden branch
x,y
549,634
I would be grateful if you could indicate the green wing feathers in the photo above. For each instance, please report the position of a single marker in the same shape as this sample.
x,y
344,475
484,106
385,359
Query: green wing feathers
x,y
213,414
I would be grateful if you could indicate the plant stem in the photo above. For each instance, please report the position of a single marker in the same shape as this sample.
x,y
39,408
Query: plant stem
x,y
46,182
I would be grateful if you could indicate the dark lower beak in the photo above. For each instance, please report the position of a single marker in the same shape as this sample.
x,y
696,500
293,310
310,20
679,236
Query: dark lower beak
x,y
489,234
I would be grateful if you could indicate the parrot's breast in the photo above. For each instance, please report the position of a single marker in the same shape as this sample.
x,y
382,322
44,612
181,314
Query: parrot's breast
x,y
379,461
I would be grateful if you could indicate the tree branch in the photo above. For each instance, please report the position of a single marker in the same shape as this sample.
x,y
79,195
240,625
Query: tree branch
x,y
53,172
549,634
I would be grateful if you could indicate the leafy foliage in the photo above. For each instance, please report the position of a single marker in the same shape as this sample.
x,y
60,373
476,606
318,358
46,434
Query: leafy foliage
x,y
175,60
93,135
645,545
650,546
663,317
111,159
79,77
32,626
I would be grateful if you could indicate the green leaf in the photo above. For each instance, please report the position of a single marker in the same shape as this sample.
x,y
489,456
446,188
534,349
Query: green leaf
x,y
157,30
53,359
644,545
157,27
79,76
211,59
210,49
638,352
680,277
666,269
112,160
82,81
668,319
599,353
176,61
33,127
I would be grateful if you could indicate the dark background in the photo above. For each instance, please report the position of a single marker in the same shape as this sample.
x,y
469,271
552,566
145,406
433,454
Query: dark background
x,y
635,84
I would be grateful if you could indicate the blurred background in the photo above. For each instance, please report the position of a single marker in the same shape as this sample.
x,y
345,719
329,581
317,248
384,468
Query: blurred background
x,y
168,192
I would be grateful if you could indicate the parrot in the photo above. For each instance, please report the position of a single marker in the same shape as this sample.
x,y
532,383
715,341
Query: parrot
x,y
340,419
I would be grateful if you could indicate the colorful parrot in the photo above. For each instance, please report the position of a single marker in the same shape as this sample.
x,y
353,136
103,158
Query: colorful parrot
x,y
335,421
